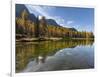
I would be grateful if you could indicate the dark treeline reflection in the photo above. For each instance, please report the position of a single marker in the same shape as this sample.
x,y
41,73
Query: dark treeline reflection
x,y
38,51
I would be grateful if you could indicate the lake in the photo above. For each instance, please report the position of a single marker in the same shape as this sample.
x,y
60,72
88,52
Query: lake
x,y
54,55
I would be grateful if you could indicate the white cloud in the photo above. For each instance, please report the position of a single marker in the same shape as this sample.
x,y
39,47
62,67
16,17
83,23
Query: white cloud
x,y
70,22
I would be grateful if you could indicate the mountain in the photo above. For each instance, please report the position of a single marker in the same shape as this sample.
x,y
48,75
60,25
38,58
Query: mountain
x,y
20,8
54,23
32,17
51,22
72,29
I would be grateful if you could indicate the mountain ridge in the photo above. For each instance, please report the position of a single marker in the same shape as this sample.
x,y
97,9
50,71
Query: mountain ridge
x,y
33,18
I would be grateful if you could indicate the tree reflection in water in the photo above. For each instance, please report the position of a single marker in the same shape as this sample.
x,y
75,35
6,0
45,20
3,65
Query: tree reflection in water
x,y
39,51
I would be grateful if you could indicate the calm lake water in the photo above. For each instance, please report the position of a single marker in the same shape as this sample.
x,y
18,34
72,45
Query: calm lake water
x,y
54,55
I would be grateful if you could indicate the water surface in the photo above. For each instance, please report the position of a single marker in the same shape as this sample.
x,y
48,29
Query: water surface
x,y
54,55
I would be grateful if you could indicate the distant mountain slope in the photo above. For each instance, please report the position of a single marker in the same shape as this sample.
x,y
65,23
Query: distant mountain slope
x,y
52,22
72,29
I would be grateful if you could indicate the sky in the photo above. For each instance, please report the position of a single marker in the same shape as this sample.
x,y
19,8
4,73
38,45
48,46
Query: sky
x,y
73,17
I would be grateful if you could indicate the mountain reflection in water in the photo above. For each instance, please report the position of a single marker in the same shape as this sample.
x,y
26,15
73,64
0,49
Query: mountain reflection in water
x,y
54,55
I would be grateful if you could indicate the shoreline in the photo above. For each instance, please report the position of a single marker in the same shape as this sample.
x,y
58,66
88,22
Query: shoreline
x,y
51,39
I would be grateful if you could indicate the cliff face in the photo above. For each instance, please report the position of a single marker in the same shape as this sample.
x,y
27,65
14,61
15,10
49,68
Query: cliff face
x,y
31,26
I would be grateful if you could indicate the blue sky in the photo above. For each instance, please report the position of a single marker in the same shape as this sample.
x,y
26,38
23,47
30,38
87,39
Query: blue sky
x,y
80,18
